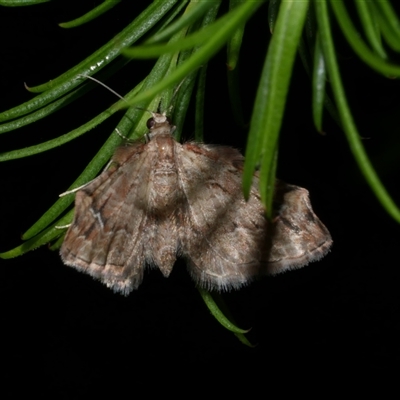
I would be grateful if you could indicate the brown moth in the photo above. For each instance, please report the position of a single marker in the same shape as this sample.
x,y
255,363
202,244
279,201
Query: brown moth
x,y
161,199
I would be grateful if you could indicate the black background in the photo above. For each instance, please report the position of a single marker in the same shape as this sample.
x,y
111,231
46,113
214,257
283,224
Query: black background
x,y
68,336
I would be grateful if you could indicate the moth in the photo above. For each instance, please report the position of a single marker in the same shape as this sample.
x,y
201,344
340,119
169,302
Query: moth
x,y
160,199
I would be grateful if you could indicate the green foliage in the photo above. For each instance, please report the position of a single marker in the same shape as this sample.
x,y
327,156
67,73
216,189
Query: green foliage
x,y
183,36
21,3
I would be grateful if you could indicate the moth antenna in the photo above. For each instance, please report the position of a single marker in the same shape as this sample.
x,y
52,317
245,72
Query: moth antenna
x,y
178,87
144,109
102,84
169,112
174,95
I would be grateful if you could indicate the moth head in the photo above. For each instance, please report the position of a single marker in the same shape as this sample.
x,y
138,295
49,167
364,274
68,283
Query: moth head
x,y
159,124
157,120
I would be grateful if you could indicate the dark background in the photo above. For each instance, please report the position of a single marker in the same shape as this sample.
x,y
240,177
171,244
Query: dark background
x,y
68,336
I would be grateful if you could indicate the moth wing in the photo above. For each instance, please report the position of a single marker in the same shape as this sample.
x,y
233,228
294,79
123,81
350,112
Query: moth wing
x,y
106,238
298,235
223,237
